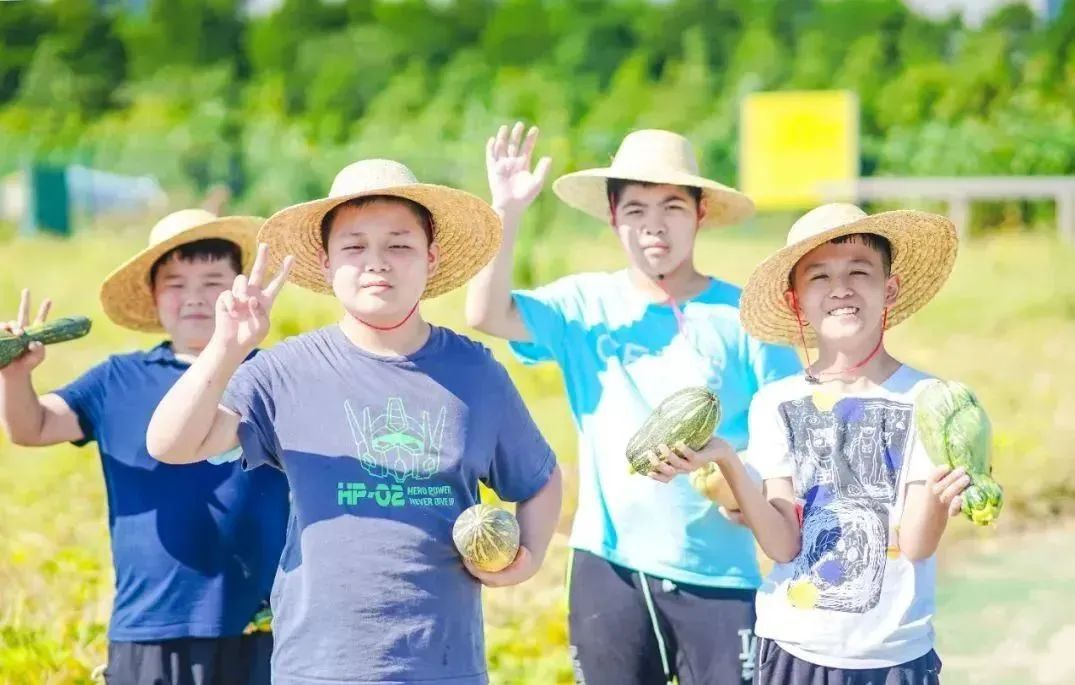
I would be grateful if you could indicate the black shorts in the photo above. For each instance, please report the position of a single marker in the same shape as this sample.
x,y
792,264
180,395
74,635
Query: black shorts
x,y
621,635
777,667
191,661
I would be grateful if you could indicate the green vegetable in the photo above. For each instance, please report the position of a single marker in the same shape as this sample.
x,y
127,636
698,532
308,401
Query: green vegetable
x,y
956,431
487,537
689,416
262,621
60,330
709,482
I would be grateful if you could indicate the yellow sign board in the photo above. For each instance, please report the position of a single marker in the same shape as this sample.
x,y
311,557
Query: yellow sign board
x,y
793,144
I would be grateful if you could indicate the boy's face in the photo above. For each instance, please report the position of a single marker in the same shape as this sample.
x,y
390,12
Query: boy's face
x,y
842,291
186,293
657,226
378,260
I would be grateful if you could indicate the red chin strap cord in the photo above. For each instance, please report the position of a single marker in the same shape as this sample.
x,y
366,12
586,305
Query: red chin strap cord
x,y
392,327
816,379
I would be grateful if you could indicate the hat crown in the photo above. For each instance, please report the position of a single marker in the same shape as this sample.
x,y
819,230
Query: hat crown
x,y
178,222
371,174
655,148
824,218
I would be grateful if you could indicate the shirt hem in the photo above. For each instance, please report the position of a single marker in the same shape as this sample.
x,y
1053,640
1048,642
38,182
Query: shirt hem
x,y
906,655
676,575
279,678
170,632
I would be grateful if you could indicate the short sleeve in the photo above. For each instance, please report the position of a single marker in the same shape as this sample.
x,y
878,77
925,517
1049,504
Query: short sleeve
x,y
522,459
249,395
919,465
85,396
769,453
772,362
543,311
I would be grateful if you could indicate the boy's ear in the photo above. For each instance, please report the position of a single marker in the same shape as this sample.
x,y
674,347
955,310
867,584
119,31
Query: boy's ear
x,y
433,258
322,256
892,290
703,208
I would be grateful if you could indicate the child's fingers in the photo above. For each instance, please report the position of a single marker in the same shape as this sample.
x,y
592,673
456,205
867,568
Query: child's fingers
x,y
501,146
24,309
674,459
955,506
938,474
530,142
257,273
226,303
238,288
954,489
274,287
516,139
43,312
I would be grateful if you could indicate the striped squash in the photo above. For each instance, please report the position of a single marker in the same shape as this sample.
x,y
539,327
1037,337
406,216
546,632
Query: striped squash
x,y
487,537
689,416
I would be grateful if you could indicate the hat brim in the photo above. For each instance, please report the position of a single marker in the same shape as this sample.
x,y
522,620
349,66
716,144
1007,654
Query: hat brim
x,y
587,190
924,248
126,293
465,228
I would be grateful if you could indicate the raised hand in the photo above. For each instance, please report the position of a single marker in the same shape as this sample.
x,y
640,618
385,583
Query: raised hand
x,y
32,358
507,159
242,313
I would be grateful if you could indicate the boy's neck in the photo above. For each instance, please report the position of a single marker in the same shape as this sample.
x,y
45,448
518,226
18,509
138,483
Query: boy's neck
x,y
186,353
398,342
681,284
836,366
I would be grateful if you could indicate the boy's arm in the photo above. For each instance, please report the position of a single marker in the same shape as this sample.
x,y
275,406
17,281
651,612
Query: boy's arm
x,y
30,420
189,424
537,518
926,511
490,307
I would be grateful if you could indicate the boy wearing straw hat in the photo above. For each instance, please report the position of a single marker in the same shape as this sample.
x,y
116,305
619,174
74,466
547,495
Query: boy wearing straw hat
x,y
661,582
384,426
852,509
194,550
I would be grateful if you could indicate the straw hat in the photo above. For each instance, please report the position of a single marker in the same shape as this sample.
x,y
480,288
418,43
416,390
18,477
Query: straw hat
x,y
923,252
127,294
465,227
652,156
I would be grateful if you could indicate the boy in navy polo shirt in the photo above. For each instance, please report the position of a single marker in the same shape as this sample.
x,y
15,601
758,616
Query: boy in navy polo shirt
x,y
384,426
194,548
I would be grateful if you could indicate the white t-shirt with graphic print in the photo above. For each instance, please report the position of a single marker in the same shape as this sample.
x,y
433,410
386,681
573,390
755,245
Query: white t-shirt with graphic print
x,y
850,599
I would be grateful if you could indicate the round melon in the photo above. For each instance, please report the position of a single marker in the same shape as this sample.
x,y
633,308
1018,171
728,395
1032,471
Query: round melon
x,y
487,537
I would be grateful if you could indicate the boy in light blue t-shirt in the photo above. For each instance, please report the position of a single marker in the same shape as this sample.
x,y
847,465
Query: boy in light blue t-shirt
x,y
662,583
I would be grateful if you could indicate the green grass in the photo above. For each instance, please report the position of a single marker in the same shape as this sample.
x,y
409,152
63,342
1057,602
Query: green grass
x,y
1005,323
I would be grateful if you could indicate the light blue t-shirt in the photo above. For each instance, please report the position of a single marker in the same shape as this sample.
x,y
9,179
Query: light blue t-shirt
x,y
621,354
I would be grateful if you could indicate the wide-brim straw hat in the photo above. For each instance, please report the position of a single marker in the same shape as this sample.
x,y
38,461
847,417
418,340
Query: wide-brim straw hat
x,y
127,294
652,156
924,250
465,227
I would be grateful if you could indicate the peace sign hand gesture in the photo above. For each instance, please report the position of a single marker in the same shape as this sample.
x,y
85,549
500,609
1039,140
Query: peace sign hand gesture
x,y
242,313
35,354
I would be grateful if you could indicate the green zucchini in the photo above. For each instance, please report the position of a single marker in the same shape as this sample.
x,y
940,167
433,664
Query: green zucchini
x,y
48,333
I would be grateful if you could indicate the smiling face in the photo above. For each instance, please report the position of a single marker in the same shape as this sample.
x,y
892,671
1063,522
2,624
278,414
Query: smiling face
x,y
186,284
657,225
843,288
378,258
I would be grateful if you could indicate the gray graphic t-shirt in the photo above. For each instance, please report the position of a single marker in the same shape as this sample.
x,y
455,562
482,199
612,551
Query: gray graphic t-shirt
x,y
850,599
382,454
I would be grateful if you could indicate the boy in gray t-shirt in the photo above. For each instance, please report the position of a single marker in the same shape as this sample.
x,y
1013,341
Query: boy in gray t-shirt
x,y
383,424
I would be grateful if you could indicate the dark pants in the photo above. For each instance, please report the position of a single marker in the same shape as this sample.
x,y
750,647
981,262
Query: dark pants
x,y
191,661
706,634
777,667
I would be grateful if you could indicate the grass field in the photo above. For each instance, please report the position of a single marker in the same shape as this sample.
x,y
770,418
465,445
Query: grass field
x,y
1005,324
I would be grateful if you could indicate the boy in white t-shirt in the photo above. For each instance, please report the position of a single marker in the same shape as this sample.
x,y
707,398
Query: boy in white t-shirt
x,y
852,509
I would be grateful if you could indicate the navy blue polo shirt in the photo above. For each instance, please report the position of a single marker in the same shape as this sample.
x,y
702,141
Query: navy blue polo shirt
x,y
195,547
